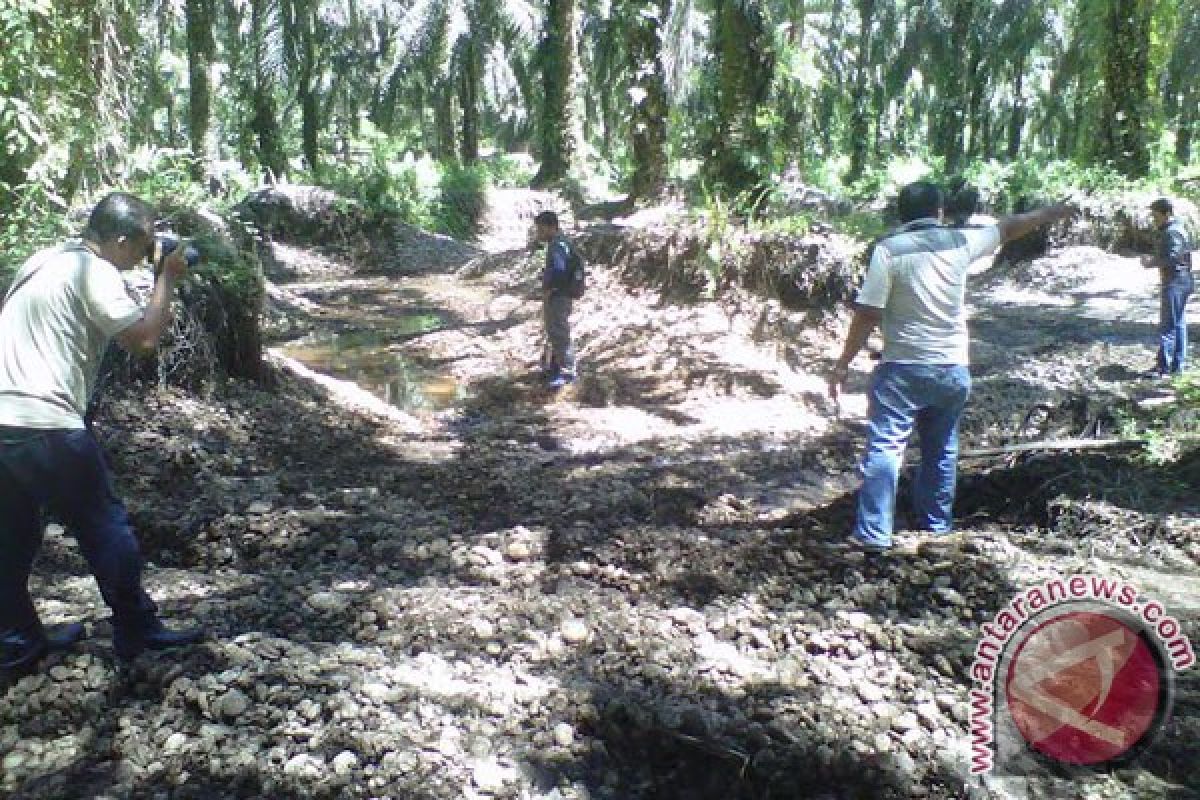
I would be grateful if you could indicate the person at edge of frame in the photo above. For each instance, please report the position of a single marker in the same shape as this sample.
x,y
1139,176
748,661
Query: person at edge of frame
x,y
1173,259
62,308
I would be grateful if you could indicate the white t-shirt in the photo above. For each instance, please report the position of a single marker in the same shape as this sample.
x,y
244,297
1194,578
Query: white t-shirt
x,y
918,278
66,304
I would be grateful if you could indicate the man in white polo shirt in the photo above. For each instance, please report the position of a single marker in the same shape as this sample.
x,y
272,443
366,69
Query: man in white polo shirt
x,y
63,307
915,289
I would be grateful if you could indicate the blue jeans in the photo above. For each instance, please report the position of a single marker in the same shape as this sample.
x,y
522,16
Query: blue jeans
x,y
1172,323
64,471
931,398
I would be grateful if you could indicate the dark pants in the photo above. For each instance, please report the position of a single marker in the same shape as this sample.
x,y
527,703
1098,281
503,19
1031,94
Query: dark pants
x,y
64,471
556,314
1172,322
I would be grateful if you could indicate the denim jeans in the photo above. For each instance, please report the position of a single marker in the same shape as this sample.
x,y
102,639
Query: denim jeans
x,y
64,471
931,398
1172,324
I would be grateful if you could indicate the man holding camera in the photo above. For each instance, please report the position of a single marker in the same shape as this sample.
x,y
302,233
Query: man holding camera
x,y
63,307
1174,262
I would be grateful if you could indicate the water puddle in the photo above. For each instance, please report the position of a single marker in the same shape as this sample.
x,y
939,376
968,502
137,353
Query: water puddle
x,y
372,359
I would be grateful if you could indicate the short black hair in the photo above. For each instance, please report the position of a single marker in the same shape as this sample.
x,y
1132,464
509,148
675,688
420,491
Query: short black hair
x,y
1163,206
119,215
919,200
546,218
963,202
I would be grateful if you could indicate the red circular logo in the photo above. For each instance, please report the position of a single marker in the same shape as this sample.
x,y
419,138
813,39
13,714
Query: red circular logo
x,y
1084,688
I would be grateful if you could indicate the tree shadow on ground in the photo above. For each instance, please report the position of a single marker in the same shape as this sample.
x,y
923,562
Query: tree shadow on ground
x,y
666,529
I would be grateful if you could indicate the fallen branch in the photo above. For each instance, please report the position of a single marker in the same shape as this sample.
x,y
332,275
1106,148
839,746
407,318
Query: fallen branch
x,y
1055,444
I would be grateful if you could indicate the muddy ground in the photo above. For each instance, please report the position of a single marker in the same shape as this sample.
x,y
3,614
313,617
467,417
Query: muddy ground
x,y
445,582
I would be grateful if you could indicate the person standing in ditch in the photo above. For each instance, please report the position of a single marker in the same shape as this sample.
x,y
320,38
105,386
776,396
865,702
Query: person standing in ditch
x,y
915,289
64,305
1173,258
562,284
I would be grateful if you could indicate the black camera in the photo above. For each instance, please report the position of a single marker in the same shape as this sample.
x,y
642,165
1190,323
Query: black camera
x,y
166,243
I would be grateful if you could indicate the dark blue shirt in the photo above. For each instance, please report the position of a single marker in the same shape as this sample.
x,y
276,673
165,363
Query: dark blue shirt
x,y
558,261
1173,247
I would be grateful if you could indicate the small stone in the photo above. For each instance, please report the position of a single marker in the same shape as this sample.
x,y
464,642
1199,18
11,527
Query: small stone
x,y
231,705
904,763
518,550
486,556
328,602
564,734
483,629
304,766
575,631
869,692
950,596
489,776
929,714
838,676
905,722
344,763
259,507
175,742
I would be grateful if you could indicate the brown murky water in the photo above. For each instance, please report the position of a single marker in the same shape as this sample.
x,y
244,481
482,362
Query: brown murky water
x,y
374,360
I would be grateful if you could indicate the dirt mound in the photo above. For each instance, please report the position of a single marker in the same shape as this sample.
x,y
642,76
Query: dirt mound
x,y
301,213
802,273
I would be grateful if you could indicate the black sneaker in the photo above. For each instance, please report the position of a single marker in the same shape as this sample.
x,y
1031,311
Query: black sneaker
x,y
20,653
129,644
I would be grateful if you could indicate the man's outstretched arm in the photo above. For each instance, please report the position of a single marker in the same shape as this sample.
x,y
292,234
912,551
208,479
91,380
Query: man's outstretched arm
x,y
1016,226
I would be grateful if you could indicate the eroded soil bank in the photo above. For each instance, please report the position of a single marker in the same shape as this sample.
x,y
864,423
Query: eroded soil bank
x,y
621,591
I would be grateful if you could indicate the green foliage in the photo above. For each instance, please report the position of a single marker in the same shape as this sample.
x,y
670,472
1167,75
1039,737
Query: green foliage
x,y
166,180
791,225
866,226
462,201
720,218
506,171
1187,389
886,179
1168,428
33,220
389,184
1003,184
236,272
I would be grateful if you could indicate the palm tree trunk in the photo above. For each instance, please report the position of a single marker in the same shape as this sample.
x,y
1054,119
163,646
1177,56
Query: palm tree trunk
x,y
264,121
443,113
1016,123
557,142
200,48
468,98
650,108
1126,86
744,68
860,122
